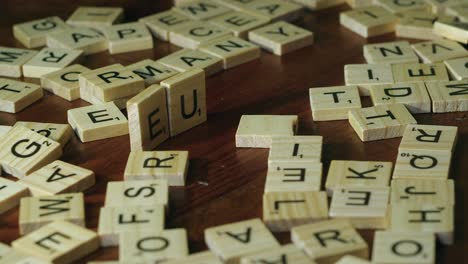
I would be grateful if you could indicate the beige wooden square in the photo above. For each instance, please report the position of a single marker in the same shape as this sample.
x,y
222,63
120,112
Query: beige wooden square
x,y
357,3
413,95
151,71
364,207
448,96
457,68
423,191
201,9
285,210
369,21
116,221
389,53
295,148
233,51
23,151
58,177
128,37
12,60
153,246
419,24
194,34
439,50
85,39
403,7
328,241
274,10
33,34
239,23
281,37
162,23
186,99
404,248
458,9
256,131
64,83
352,260
286,254
36,212
422,164
187,59
418,72
57,132
323,4
97,122
49,60
9,255
95,17
333,103
439,7
15,96
233,4
137,193
233,241
380,122
428,137
4,130
365,75
58,242
148,120
352,173
10,194
150,165
204,257
453,30
293,176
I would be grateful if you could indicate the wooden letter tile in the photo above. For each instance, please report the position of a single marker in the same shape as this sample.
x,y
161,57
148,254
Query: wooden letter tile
x,y
36,212
9,255
416,72
205,257
64,83
33,34
398,7
58,177
323,4
162,23
369,21
390,53
239,23
333,103
15,96
187,59
458,68
419,24
427,137
232,50
422,164
12,60
85,39
365,75
137,193
286,254
149,165
128,37
439,50
448,96
413,95
352,260
194,34
453,30
423,191
295,148
232,241
293,176
285,210
10,195
380,122
151,71
357,3
49,60
201,9
95,17
57,132
274,10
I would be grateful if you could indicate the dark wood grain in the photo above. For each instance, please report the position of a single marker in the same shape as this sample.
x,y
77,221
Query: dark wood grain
x,y
225,184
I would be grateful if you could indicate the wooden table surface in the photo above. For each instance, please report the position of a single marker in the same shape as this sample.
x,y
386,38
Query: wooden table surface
x,y
225,184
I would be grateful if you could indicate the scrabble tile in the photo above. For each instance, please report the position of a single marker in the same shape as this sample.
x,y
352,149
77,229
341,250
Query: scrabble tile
x,y
457,68
128,37
286,254
413,95
14,256
97,122
380,122
12,60
422,191
448,96
407,247
57,132
15,96
239,5
369,21
58,177
402,7
201,9
153,246
137,193
427,137
439,7
389,53
456,31
275,10
418,72
233,241
64,83
256,131
364,207
285,210
23,151
115,221
365,75
281,37
58,242
87,40
33,34
352,173
3,131
323,4
49,60
95,17
333,103
352,260
239,23
439,50
328,241
204,257
233,51
434,218
422,164
459,10
295,148
150,165
419,24
186,100
36,212
148,121
162,23
187,59
10,194
151,71
196,33
293,176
